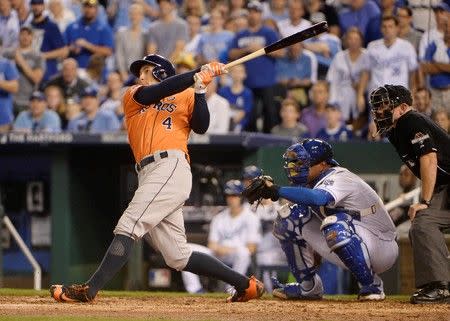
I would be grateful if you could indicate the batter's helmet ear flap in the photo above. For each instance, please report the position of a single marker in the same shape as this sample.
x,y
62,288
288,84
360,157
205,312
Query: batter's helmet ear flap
x,y
163,67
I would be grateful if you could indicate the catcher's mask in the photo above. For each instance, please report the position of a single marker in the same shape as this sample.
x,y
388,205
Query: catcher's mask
x,y
383,100
296,164
299,157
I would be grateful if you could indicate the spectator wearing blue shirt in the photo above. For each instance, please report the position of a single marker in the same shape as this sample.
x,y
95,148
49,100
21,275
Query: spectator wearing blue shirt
x,y
296,72
93,120
365,15
117,11
47,39
436,64
215,41
260,71
9,84
335,130
240,99
88,36
38,118
278,10
325,46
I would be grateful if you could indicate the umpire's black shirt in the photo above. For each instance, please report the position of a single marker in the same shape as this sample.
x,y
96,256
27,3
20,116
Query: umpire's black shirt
x,y
415,135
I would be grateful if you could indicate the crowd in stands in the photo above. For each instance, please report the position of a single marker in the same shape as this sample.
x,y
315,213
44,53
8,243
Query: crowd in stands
x,y
64,63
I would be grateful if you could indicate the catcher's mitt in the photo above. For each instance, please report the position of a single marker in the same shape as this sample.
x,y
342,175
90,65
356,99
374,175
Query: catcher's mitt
x,y
258,189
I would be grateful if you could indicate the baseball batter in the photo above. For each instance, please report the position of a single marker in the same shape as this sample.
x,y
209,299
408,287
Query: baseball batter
x,y
160,112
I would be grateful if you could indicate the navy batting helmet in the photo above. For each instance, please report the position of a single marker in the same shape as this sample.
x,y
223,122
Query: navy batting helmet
x,y
383,100
233,187
163,67
251,172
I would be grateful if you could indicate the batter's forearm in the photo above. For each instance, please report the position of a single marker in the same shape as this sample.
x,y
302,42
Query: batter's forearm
x,y
428,170
152,94
200,115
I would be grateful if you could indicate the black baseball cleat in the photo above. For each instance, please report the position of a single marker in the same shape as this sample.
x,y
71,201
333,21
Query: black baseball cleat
x,y
71,293
434,292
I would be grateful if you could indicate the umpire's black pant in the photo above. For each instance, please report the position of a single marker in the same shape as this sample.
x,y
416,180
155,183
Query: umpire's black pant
x,y
431,255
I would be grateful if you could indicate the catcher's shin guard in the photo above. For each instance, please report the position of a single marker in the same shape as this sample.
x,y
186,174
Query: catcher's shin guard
x,y
342,239
300,257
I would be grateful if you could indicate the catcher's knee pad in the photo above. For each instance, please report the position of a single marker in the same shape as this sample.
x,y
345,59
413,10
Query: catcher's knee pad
x,y
342,239
290,221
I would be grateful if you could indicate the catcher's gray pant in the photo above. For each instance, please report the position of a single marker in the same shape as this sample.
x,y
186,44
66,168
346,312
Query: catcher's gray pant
x,y
156,208
431,255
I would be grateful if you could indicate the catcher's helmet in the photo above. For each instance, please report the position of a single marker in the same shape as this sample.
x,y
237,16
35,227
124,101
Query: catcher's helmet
x,y
251,172
319,151
383,100
233,187
163,67
299,157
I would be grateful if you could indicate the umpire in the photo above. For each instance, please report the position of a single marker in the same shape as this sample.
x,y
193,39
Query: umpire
x,y
425,148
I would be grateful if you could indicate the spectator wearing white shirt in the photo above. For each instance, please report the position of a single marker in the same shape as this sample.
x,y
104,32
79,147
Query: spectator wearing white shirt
x,y
219,111
345,72
392,60
441,13
295,22
233,236
61,15
9,25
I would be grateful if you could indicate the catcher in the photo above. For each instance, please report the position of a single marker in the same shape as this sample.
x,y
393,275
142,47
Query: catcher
x,y
334,213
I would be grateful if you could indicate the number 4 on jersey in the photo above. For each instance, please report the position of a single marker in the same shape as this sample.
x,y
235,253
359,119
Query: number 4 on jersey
x,y
167,122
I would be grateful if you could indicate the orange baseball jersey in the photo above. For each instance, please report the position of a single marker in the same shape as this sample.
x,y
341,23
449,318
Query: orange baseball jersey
x,y
161,126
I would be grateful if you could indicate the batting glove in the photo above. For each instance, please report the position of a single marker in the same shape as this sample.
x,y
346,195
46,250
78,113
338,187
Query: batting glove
x,y
216,68
202,79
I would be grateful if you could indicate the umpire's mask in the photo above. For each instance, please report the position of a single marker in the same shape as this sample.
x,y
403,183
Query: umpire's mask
x,y
381,107
383,100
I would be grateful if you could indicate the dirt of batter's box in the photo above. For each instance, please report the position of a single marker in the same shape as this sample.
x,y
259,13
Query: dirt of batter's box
x,y
199,308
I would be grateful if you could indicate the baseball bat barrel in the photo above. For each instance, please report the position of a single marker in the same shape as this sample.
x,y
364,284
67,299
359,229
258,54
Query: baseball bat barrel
x,y
300,36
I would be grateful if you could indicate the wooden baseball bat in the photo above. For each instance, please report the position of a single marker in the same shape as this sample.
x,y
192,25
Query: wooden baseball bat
x,y
310,32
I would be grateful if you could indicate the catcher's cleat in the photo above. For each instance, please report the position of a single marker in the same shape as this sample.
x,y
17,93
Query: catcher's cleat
x,y
71,293
254,291
295,291
371,292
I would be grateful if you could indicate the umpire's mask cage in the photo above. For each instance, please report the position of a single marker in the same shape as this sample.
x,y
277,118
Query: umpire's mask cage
x,y
381,108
